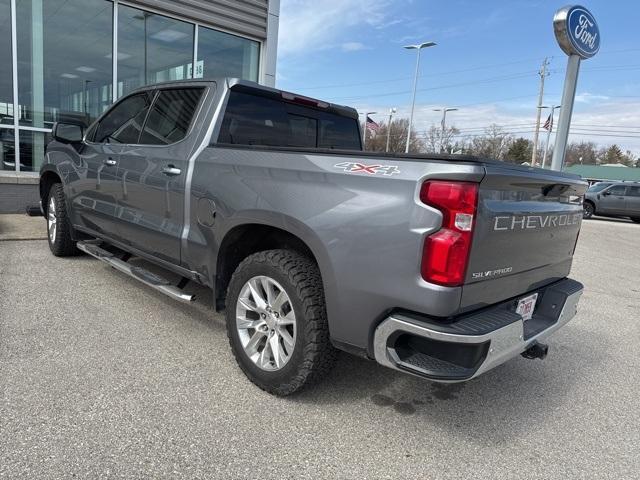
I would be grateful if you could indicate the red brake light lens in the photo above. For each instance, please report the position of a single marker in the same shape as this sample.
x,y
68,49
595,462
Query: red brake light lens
x,y
446,253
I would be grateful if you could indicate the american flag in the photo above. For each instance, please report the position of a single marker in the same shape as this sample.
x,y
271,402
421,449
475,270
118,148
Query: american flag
x,y
548,125
371,125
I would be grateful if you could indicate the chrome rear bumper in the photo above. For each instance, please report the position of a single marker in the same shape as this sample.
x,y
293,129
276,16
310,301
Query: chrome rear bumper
x,y
475,343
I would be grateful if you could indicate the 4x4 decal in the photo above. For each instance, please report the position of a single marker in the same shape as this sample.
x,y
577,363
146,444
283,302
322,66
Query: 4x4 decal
x,y
353,167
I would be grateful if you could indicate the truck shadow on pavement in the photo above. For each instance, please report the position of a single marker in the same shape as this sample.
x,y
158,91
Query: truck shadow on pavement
x,y
501,404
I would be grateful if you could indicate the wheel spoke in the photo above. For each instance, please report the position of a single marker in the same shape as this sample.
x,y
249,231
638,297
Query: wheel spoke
x,y
268,289
257,297
246,324
252,346
279,356
287,339
246,304
279,301
288,319
265,356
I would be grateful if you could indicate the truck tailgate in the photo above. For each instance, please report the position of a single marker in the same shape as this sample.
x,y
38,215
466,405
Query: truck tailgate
x,y
527,225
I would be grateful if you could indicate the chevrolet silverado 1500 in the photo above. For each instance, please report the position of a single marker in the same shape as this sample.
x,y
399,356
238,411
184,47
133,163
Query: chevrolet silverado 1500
x,y
441,266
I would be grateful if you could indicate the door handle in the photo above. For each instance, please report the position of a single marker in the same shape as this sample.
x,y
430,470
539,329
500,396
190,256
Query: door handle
x,y
110,162
171,170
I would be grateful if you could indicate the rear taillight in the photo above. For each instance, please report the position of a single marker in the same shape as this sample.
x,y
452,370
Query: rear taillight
x,y
446,252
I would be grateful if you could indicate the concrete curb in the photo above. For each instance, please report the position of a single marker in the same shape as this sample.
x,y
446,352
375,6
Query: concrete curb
x,y
15,227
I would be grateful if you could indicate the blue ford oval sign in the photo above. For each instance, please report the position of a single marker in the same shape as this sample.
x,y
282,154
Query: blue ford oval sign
x,y
577,31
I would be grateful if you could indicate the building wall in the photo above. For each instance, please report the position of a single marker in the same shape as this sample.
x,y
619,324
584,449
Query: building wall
x,y
244,17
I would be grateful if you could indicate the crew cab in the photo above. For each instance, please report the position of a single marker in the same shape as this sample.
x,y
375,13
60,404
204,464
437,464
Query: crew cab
x,y
441,266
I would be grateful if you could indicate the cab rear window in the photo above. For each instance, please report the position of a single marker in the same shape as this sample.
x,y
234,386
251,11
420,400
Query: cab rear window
x,y
256,120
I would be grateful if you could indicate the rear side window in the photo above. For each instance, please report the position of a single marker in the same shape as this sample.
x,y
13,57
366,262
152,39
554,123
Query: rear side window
x,y
124,122
617,190
255,120
633,192
170,116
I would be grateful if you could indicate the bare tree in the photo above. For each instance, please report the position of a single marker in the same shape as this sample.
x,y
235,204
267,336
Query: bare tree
x,y
436,141
494,143
377,141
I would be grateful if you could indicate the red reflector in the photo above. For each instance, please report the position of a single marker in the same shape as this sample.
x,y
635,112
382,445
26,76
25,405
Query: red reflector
x,y
446,252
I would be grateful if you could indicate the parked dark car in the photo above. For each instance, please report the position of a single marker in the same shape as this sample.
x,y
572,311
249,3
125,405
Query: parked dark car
x,y
613,199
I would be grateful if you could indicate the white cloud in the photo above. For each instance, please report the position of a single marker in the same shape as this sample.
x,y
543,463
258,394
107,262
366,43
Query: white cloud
x,y
353,46
314,25
587,97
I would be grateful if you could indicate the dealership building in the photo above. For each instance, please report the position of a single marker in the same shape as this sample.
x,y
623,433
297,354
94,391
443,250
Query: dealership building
x,y
71,59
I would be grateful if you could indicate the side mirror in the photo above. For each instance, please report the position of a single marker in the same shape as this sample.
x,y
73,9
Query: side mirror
x,y
67,132
606,194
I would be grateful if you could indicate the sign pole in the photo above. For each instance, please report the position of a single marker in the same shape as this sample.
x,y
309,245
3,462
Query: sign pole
x,y
577,33
568,97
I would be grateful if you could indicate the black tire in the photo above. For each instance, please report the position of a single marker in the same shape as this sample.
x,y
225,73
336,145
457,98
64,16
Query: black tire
x,y
313,356
635,219
588,210
60,242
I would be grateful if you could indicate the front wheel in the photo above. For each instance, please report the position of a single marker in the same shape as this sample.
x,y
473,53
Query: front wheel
x,y
58,224
277,322
588,210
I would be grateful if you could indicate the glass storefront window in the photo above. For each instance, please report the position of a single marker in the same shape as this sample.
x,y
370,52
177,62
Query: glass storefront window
x,y
32,149
7,149
64,60
224,55
6,77
152,48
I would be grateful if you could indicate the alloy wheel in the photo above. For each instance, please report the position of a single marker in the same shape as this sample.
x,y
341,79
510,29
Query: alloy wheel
x,y
266,323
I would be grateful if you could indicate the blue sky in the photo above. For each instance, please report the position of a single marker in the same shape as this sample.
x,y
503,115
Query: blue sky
x,y
485,63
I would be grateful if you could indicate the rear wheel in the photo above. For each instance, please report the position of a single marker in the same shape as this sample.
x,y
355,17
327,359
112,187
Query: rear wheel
x,y
588,210
58,225
277,322
635,219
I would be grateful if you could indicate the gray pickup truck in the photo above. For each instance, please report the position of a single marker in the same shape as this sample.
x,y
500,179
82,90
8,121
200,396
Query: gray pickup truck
x,y
435,265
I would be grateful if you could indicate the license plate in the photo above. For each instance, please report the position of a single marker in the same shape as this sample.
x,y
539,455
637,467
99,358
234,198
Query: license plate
x,y
526,306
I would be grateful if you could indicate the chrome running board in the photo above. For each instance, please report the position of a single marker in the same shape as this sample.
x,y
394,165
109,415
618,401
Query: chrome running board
x,y
162,285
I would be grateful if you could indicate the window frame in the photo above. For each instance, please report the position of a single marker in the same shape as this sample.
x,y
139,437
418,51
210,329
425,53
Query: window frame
x,y
196,112
153,92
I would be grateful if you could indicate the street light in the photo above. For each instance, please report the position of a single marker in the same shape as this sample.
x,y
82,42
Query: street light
x,y
364,136
392,111
443,123
418,47
546,148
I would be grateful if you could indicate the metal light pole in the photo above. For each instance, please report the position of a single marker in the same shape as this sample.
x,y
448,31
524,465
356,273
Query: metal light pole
x,y
391,112
364,135
415,85
443,123
546,147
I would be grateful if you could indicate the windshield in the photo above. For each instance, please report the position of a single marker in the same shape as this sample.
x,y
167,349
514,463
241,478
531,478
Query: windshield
x,y
598,187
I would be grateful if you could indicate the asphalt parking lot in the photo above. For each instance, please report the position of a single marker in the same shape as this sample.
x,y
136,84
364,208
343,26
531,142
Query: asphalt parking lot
x,y
102,377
